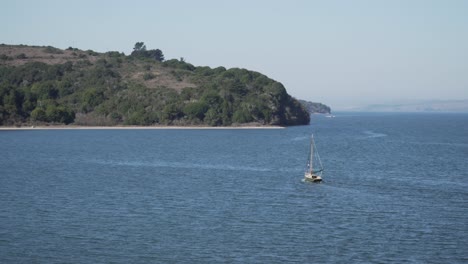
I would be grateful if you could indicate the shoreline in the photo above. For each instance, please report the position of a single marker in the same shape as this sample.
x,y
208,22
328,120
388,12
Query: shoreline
x,y
134,127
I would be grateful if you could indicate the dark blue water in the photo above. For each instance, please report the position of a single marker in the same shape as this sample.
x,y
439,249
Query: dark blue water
x,y
395,191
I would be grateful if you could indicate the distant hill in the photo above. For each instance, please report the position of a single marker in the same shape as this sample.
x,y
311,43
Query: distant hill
x,y
420,106
46,85
313,108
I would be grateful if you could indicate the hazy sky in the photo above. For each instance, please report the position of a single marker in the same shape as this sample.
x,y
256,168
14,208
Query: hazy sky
x,y
341,53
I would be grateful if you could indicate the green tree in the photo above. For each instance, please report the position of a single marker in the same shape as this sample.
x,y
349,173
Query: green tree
x,y
196,110
45,90
136,118
155,54
212,99
91,98
148,76
170,113
59,114
139,51
139,46
213,118
242,116
12,102
38,114
188,94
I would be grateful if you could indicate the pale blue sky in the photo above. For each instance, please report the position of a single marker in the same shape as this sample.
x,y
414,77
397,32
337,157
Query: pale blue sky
x,y
341,53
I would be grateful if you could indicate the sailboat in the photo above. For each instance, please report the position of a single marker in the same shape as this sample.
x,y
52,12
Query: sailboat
x,y
313,174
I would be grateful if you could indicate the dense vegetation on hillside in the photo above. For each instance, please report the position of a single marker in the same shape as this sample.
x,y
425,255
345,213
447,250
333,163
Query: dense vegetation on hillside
x,y
315,107
90,88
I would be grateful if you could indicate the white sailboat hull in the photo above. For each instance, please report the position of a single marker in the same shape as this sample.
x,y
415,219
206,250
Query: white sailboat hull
x,y
312,177
314,159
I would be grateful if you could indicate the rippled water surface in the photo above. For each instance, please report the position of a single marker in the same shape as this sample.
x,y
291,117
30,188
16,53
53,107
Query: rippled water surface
x,y
395,191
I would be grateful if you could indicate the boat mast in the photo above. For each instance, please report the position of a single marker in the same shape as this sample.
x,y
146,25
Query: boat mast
x,y
311,153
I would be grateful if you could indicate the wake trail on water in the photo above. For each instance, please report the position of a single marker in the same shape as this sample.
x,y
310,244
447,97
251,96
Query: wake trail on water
x,y
372,134
299,138
180,165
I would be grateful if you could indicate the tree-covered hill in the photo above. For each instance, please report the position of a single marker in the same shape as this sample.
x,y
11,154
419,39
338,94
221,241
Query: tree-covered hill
x,y
46,85
318,108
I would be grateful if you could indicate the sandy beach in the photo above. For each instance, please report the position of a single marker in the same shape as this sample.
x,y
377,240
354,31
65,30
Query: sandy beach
x,y
132,127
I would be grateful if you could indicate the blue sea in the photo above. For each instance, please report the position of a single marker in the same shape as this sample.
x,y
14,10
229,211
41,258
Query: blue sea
x,y
395,190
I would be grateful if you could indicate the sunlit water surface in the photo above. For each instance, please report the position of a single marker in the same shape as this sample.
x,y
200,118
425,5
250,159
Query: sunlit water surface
x,y
395,190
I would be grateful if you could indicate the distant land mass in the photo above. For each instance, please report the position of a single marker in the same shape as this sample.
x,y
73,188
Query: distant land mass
x,y
419,106
315,108
44,85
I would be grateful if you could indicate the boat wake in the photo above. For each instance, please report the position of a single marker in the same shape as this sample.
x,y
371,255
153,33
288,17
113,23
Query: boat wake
x,y
372,134
449,144
168,164
299,138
